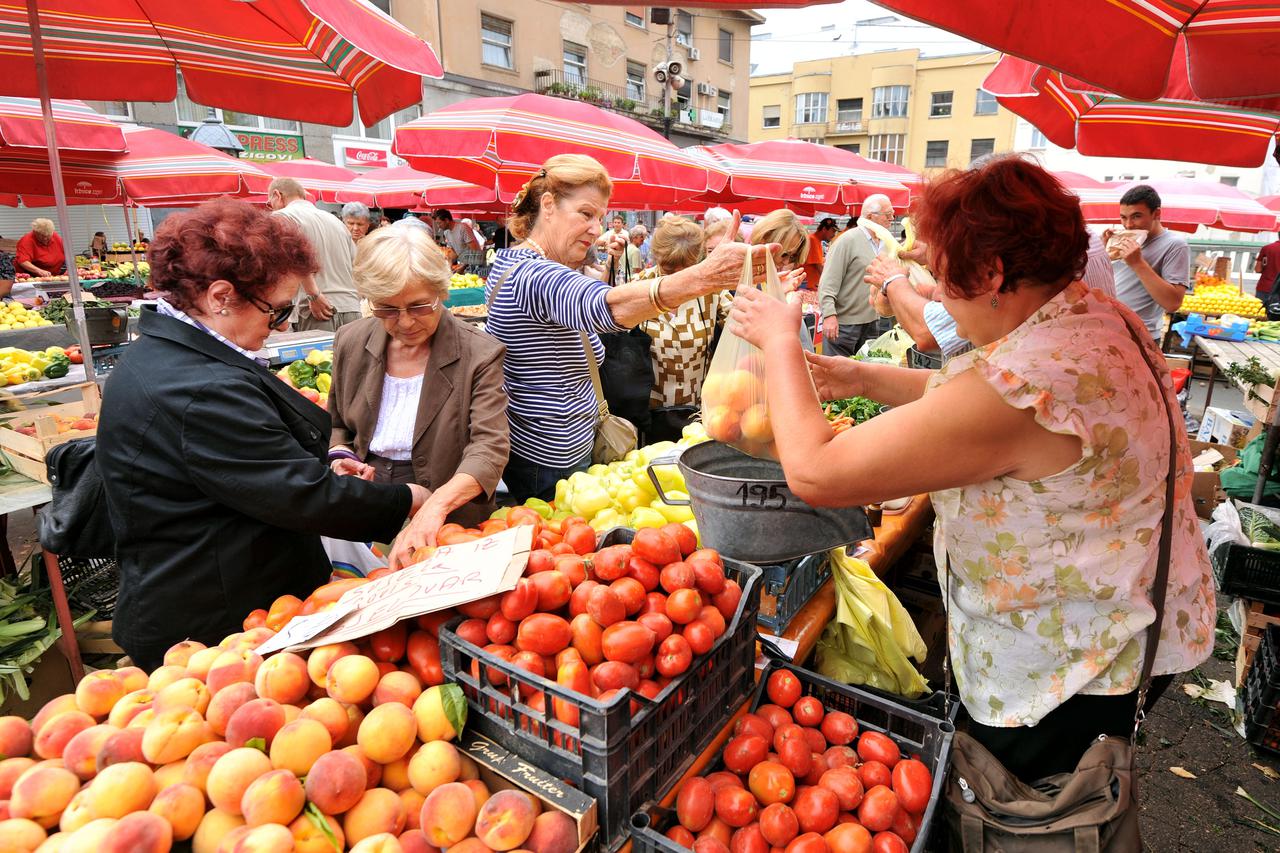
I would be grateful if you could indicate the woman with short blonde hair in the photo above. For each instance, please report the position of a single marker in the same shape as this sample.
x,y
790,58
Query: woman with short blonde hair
x,y
417,393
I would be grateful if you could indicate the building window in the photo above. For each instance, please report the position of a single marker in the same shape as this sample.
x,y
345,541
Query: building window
x,y
634,16
986,104
1038,139
816,140
935,153
684,28
852,148
940,105
981,148
575,63
849,110
726,46
635,80
384,5
887,147
384,129
189,112
724,103
811,108
889,101
112,109
1229,180
495,42
772,116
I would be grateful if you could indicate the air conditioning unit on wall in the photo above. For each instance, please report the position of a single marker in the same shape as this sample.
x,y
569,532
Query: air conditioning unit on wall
x,y
694,54
708,89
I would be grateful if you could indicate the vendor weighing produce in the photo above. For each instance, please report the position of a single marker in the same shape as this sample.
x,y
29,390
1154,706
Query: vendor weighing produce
x,y
214,469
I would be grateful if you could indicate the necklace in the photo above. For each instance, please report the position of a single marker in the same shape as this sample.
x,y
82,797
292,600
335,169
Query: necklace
x,y
534,245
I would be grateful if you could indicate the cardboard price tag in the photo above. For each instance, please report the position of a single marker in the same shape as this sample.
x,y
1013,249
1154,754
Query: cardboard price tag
x,y
453,575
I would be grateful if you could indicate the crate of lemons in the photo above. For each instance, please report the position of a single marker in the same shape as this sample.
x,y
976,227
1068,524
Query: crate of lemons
x,y
20,366
15,315
1214,296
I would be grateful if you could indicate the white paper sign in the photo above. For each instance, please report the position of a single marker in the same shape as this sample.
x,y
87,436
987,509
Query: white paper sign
x,y
302,627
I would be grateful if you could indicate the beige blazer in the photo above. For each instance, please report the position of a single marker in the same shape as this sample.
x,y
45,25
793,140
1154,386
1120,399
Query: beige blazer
x,y
461,424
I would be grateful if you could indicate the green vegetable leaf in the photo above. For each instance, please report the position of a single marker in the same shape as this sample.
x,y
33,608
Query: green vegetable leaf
x,y
257,743
318,820
455,706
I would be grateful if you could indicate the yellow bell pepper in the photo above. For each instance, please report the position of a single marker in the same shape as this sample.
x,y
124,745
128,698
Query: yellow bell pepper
x,y
40,362
678,514
647,517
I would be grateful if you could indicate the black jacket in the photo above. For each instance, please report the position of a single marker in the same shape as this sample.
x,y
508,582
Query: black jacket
x,y
218,490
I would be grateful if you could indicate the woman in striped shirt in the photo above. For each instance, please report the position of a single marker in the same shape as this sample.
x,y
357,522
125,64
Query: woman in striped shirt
x,y
541,305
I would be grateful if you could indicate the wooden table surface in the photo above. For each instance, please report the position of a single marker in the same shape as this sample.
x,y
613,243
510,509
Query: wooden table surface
x,y
1224,353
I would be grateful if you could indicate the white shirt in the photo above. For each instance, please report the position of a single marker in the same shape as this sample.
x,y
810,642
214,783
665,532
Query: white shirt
x,y
397,415
335,252
458,237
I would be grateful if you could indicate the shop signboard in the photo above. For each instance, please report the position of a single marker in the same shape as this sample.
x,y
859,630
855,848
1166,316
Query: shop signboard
x,y
355,155
265,146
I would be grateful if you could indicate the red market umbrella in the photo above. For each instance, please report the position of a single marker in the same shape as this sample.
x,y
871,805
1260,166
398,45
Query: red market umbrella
x,y
407,187
79,129
501,142
1177,127
320,179
810,176
1186,204
1226,49
1099,201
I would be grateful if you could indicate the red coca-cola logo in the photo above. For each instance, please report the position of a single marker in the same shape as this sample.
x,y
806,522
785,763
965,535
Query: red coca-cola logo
x,y
366,156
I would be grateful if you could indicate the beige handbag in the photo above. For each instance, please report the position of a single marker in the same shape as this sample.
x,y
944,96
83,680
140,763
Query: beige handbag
x,y
1093,809
615,436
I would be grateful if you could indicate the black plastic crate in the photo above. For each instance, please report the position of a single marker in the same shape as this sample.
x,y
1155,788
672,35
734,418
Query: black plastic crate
x,y
1247,572
105,358
789,587
916,735
627,751
1262,694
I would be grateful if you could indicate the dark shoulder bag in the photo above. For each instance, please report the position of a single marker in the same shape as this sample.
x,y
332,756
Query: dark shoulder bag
x,y
1093,809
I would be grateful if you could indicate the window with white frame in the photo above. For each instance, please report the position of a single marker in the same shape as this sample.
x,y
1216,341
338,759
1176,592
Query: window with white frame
x,y
112,109
385,129
935,153
726,46
887,147
889,101
772,116
575,63
495,42
189,112
724,104
634,16
940,104
811,108
684,28
985,104
635,80
849,110
981,148
1038,139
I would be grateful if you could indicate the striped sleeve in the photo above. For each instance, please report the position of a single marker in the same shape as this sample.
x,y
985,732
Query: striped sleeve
x,y
553,293
1098,273
943,328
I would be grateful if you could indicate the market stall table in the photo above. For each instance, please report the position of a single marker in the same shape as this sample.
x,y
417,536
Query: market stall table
x,y
1222,354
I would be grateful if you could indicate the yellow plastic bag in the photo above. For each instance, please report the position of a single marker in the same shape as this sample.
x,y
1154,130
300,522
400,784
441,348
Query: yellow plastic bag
x,y
890,248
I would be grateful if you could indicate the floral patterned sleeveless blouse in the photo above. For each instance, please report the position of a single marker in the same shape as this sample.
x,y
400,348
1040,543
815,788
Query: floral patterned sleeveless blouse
x,y
1050,580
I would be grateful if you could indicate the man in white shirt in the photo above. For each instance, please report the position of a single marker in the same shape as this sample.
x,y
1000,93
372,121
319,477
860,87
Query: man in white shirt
x,y
457,237
848,319
328,299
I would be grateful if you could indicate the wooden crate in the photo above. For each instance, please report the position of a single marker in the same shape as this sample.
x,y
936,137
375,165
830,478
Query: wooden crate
x,y
94,638
27,452
1258,616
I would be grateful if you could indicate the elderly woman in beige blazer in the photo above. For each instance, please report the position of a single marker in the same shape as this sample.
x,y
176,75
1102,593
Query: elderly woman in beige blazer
x,y
417,394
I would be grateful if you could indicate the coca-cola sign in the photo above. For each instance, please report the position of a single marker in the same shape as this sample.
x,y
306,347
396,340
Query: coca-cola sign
x,y
369,157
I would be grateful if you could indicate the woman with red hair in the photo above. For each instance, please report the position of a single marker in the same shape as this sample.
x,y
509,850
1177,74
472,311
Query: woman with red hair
x,y
214,470
1046,452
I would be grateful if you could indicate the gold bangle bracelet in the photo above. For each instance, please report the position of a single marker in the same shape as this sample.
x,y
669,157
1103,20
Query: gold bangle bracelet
x,y
657,296
653,296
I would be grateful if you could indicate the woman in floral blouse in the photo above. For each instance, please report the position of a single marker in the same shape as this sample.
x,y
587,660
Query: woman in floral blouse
x,y
1045,451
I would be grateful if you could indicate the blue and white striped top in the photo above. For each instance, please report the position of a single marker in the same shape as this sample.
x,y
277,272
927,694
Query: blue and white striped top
x,y
540,309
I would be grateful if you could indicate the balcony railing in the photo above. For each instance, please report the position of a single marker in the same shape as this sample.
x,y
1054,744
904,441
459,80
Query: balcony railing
x,y
556,83
847,126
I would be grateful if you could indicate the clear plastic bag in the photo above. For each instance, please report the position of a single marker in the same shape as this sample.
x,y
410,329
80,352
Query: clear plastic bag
x,y
890,248
735,410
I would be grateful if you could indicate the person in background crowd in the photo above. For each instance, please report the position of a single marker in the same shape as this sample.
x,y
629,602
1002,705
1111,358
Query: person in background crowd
x,y
355,216
634,257
618,225
454,236
40,252
1046,452
1267,266
417,393
716,233
1151,278
825,232
848,319
143,239
7,272
213,469
783,227
541,307
327,299
98,246
476,233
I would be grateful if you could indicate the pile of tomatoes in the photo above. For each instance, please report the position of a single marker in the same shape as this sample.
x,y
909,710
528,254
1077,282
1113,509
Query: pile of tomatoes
x,y
626,617
800,778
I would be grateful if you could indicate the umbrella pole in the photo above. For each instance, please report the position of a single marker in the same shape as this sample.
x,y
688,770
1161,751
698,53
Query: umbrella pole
x,y
59,192
133,252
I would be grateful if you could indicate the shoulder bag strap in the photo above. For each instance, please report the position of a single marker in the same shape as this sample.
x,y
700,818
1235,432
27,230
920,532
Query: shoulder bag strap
x,y
595,374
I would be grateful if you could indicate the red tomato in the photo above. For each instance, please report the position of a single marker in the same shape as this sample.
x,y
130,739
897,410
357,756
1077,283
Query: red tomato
x,y
872,773
473,631
718,830
744,752
482,609
658,623
580,537
816,808
906,826
845,784
778,824
632,593
562,549
655,546
389,643
610,563
771,782
581,595
736,806
888,842
839,728
654,602
784,688
815,739
879,809
710,844
684,605
501,630
796,755
674,655
495,676
721,778
849,838
431,622
615,675
423,651
727,601
873,746
573,675
629,642
700,635
708,576
840,756
520,602
544,634
913,783
808,711
774,715
523,516
785,732
587,637
605,606
695,804
683,536
713,618
748,839
573,567
817,767
644,571
753,724
255,619
681,836
810,842
531,662
677,576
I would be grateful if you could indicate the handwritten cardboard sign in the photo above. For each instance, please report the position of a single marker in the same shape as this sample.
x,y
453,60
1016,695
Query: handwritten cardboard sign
x,y
453,575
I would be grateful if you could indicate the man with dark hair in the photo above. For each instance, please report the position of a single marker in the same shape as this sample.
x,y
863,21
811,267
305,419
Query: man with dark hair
x,y
1151,277
825,232
456,236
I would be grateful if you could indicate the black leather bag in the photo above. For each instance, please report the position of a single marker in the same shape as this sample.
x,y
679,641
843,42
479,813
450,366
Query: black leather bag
x,y
76,522
627,375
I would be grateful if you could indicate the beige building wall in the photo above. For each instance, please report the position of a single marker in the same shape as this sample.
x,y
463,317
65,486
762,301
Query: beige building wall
x,y
790,106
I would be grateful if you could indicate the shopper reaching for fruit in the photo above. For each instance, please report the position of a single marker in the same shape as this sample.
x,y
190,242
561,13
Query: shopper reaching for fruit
x,y
1045,450
213,468
542,305
417,393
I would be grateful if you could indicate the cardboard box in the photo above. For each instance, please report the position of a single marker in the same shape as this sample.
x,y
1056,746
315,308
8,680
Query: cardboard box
x,y
500,769
1206,487
50,678
1223,426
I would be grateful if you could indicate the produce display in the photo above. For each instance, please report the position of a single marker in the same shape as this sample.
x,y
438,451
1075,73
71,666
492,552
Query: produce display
x,y
55,310
20,366
802,777
849,412
1265,330
734,409
1214,296
459,280
15,315
312,376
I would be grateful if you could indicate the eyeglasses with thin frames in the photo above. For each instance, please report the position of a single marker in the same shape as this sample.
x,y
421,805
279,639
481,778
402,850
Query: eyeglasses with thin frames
x,y
423,309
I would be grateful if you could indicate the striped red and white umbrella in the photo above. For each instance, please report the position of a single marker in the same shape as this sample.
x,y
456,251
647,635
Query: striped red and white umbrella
x,y
804,175
79,129
407,187
293,59
1179,126
1099,201
1225,48
323,181
1186,204
502,142
1271,202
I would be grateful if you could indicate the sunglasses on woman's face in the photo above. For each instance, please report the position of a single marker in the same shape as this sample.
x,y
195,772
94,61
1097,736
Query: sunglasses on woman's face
x,y
276,315
790,257
423,309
